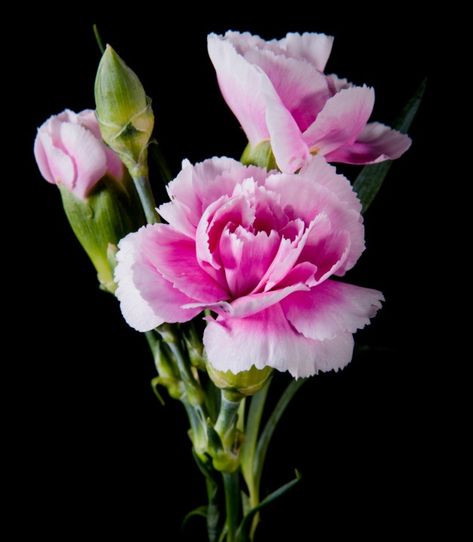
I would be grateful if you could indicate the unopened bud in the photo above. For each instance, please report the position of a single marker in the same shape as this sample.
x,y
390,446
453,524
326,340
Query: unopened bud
x,y
123,110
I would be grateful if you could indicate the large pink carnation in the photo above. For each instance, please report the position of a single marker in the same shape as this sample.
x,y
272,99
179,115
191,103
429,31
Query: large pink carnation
x,y
278,91
258,249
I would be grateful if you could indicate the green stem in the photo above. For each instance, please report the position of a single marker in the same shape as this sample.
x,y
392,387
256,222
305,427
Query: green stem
x,y
146,196
231,484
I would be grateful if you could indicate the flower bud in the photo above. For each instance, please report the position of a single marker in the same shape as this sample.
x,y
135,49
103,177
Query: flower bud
x,y
123,110
243,383
98,195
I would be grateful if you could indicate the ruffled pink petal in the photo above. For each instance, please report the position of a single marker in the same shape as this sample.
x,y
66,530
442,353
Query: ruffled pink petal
x,y
314,48
218,177
293,239
319,171
146,299
254,303
199,185
376,143
341,120
174,256
318,190
331,308
245,257
88,154
241,85
267,339
216,217
328,250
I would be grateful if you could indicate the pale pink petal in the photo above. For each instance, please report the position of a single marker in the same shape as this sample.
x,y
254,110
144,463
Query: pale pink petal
x,y
331,308
376,143
88,155
267,339
341,120
336,84
174,256
302,89
61,166
314,48
146,298
242,87
42,159
288,146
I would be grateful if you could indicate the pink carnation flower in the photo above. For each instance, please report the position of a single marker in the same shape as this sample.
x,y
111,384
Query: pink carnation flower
x,y
279,93
258,249
70,152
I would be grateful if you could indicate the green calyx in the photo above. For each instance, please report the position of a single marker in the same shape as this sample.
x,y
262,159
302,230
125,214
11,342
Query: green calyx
x,y
109,213
242,384
260,155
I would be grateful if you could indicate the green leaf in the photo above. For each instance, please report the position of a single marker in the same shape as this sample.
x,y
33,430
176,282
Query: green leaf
x,y
244,528
371,177
249,444
271,425
199,511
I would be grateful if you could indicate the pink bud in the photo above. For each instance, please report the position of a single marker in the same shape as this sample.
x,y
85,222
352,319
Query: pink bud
x,y
70,152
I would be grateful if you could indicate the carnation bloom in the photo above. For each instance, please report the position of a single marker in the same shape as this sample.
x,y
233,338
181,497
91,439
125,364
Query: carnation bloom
x,y
279,93
257,248
70,152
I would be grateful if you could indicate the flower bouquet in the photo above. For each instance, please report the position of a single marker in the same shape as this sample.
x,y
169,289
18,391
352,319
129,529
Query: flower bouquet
x,y
236,276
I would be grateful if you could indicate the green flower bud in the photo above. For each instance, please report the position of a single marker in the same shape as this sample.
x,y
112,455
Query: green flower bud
x,y
243,383
111,211
123,110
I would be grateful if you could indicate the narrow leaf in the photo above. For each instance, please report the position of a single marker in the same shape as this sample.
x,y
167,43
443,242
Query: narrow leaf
x,y
371,177
252,429
271,425
243,529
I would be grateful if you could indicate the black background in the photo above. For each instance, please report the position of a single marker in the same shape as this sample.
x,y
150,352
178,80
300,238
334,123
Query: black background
x,y
95,453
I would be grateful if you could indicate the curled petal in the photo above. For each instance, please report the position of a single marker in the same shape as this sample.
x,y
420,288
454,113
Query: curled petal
x,y
341,120
376,143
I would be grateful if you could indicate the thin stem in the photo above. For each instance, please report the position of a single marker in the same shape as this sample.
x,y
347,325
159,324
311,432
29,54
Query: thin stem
x,y
231,484
146,196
